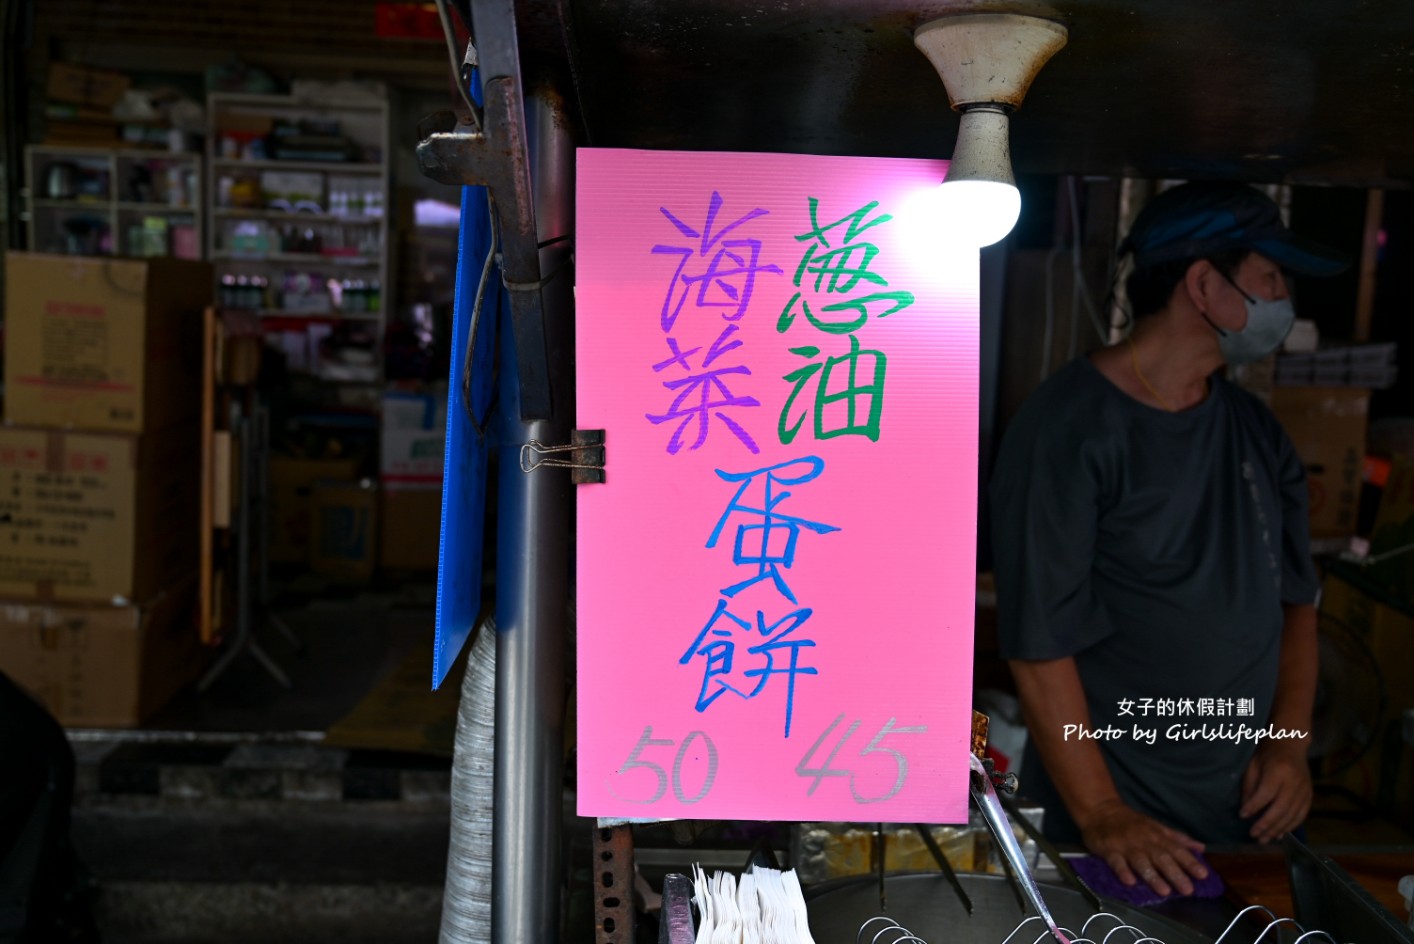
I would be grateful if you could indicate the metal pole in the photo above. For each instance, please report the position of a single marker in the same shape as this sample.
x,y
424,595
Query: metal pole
x,y
533,562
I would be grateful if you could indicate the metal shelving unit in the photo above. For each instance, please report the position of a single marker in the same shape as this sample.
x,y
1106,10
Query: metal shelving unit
x,y
113,202
330,236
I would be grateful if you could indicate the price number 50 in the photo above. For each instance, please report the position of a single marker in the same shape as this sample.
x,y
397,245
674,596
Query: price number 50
x,y
660,777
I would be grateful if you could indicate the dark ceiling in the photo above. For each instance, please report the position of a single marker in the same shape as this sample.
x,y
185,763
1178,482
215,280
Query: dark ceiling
x,y
1304,91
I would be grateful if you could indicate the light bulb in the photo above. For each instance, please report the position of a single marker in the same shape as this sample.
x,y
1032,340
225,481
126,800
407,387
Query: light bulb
x,y
987,62
977,212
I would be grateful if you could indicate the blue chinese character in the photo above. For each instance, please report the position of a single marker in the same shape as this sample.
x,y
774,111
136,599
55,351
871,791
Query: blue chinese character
x,y
771,543
717,644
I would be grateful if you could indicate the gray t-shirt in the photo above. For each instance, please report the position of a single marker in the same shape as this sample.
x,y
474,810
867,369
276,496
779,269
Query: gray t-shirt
x,y
1157,549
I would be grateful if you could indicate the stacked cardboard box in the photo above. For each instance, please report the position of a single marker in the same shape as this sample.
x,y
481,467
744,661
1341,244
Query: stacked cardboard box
x,y
342,528
99,484
1327,427
327,517
292,485
80,107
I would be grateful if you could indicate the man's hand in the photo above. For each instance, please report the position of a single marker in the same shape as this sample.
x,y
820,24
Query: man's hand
x,y
1135,845
1276,784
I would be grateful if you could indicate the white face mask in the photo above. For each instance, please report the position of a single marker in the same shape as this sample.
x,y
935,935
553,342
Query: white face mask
x,y
1268,324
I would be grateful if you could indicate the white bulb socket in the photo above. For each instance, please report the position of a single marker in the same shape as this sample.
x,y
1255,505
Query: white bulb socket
x,y
979,195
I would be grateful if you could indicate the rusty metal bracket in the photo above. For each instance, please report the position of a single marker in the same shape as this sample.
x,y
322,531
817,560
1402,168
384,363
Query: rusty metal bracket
x,y
980,725
613,885
1002,783
497,156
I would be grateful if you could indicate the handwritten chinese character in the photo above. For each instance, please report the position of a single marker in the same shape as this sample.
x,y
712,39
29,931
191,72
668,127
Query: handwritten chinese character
x,y
848,388
717,644
703,394
727,279
860,379
769,544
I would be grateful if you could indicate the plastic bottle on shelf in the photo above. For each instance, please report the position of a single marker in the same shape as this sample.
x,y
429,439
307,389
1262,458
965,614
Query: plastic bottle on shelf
x,y
242,294
227,296
176,186
375,296
358,301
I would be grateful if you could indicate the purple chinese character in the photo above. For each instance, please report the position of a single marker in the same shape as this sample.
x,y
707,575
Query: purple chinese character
x,y
726,279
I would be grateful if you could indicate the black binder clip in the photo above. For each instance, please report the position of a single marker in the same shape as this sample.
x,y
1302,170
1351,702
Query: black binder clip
x,y
586,456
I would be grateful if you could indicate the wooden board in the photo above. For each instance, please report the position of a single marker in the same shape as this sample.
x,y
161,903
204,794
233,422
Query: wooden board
x,y
205,591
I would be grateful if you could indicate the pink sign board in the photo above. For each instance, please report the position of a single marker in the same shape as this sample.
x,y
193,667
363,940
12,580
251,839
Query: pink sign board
x,y
776,582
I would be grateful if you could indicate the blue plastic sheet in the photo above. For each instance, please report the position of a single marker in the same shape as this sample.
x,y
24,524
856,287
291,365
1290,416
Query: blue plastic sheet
x,y
459,565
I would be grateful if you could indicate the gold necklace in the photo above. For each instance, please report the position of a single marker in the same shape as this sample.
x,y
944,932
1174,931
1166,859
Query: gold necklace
x,y
1134,359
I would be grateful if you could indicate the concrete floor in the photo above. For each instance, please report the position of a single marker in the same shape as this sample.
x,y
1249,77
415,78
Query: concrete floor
x,y
351,639
228,817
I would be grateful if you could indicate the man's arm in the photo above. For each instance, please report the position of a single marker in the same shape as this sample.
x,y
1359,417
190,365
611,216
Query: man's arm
x,y
1132,843
1277,782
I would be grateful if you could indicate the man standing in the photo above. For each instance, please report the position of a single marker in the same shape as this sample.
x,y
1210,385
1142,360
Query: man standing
x,y
1155,590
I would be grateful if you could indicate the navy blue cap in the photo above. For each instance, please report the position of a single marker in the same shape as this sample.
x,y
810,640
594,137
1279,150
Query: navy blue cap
x,y
1196,220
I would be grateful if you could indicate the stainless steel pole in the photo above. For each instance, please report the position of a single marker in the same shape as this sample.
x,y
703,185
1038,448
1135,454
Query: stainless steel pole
x,y
532,577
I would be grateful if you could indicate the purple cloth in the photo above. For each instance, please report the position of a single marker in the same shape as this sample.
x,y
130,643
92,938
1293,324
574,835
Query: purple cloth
x,y
1103,881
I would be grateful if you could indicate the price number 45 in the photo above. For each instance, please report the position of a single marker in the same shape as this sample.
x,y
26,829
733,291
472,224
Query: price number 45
x,y
875,746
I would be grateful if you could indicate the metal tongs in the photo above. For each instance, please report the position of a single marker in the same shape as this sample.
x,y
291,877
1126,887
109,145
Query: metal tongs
x,y
980,783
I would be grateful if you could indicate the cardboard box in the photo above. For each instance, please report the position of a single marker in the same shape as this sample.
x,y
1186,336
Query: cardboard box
x,y
342,529
414,440
1327,426
97,517
291,486
1382,774
102,666
84,86
410,528
103,344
